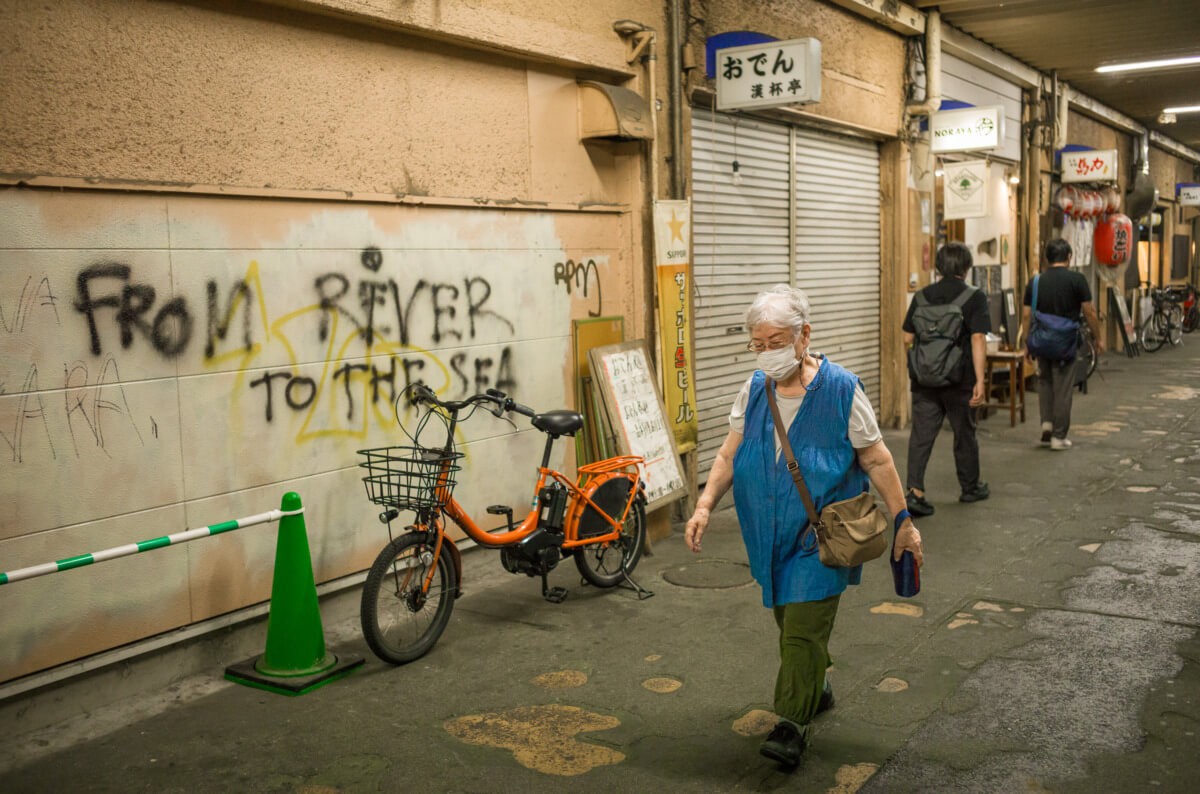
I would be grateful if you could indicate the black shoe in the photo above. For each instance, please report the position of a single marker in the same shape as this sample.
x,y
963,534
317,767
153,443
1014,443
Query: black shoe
x,y
826,701
785,744
976,494
918,505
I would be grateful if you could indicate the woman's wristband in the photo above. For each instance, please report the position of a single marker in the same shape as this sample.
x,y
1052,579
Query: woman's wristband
x,y
899,519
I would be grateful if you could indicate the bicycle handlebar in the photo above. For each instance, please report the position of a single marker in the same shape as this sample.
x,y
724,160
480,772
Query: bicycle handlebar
x,y
422,393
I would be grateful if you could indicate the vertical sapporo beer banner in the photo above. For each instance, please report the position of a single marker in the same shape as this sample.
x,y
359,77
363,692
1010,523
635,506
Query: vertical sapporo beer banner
x,y
673,257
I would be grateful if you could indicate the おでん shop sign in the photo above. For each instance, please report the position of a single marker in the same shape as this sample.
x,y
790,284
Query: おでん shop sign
x,y
770,74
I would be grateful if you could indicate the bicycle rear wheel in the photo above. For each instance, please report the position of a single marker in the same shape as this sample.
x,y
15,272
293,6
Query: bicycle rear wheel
x,y
1175,324
399,622
1154,332
1191,319
1087,352
605,565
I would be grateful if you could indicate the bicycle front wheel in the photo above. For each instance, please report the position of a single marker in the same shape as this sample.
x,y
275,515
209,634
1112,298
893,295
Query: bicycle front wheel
x,y
400,621
1154,332
606,565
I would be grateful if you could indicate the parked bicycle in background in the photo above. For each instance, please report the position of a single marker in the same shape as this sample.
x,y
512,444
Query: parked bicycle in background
x,y
1165,322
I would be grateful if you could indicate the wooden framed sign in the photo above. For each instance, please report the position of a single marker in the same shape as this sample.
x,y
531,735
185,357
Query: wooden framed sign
x,y
635,407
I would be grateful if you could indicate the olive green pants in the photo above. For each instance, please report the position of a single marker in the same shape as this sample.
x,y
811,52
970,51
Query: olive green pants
x,y
804,630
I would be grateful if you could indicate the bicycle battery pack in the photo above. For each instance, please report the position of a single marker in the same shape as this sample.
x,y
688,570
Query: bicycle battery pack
x,y
552,506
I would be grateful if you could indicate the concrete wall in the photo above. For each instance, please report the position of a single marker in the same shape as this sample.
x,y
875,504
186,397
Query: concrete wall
x,y
171,360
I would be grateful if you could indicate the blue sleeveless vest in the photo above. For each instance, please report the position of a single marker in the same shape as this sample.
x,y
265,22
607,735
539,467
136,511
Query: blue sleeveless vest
x,y
769,510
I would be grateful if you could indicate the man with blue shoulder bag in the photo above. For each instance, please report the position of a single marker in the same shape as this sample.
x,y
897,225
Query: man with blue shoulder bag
x,y
1056,301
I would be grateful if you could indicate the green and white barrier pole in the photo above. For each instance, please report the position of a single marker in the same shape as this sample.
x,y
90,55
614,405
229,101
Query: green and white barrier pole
x,y
145,545
296,660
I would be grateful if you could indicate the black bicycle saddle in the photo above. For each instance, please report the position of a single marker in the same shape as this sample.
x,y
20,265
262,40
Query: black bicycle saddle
x,y
559,423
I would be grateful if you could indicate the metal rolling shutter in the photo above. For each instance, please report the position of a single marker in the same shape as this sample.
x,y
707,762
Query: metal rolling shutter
x,y
837,248
741,244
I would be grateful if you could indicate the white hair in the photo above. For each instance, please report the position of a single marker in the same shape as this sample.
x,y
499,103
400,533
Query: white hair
x,y
781,306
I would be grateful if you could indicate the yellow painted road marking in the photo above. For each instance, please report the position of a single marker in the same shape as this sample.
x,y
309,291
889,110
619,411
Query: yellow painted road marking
x,y
563,679
541,738
662,685
892,608
850,779
756,722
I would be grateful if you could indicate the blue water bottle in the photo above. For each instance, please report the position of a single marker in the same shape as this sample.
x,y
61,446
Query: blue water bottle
x,y
905,574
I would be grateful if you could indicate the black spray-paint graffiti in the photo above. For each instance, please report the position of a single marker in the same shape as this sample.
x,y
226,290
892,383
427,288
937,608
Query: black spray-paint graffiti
x,y
169,331
379,311
298,392
32,297
86,402
457,309
581,277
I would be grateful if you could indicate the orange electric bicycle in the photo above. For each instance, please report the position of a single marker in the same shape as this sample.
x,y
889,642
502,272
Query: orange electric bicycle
x,y
600,520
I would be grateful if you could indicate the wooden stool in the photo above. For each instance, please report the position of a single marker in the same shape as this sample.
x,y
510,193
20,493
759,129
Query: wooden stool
x,y
1015,361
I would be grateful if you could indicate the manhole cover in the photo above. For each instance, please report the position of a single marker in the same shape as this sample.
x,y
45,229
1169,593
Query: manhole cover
x,y
710,574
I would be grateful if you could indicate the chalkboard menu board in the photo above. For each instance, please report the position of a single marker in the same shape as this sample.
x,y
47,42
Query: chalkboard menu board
x,y
635,408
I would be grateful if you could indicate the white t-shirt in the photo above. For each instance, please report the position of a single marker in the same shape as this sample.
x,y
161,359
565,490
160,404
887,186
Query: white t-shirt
x,y
863,430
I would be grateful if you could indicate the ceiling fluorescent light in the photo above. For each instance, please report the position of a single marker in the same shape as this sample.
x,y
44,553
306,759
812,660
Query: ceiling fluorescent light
x,y
1129,67
1187,109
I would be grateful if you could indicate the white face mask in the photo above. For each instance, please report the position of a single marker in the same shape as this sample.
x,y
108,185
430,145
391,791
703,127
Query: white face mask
x,y
778,364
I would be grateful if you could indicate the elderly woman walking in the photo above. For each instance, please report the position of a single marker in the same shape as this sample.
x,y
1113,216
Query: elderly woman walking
x,y
837,443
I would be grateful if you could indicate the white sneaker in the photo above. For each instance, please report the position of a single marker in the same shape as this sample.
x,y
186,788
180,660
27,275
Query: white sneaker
x,y
1047,430
1060,443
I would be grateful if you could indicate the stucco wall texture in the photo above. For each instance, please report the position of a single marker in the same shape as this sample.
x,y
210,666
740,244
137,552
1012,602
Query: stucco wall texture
x,y
265,97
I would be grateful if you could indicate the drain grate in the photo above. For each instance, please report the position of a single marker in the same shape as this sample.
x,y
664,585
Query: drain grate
x,y
710,574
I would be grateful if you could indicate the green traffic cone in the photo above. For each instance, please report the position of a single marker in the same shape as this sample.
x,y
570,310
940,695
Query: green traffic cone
x,y
295,660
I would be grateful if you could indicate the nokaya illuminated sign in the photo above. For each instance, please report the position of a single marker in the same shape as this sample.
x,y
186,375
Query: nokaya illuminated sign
x,y
771,74
966,130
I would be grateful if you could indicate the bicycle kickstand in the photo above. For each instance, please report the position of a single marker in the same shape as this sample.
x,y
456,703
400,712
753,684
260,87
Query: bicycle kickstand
x,y
555,595
642,593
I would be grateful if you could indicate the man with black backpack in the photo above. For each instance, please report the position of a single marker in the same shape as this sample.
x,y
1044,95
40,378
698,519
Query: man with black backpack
x,y
1051,331
945,331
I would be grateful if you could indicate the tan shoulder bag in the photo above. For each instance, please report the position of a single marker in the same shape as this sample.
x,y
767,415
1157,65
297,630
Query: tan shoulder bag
x,y
849,532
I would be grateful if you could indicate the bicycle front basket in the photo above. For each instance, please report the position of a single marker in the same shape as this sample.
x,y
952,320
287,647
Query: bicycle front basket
x,y
409,478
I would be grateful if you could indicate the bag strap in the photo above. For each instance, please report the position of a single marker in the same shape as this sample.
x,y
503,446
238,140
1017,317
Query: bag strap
x,y
793,467
964,296
1033,308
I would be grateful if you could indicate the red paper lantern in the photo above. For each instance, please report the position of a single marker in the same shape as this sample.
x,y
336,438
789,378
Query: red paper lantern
x,y
1065,199
1113,240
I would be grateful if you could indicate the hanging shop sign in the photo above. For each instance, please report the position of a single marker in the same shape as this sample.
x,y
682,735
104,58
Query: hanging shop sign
x,y
965,189
673,257
1094,165
1188,194
967,129
770,74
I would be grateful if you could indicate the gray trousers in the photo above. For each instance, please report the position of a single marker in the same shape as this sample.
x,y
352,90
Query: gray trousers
x,y
1056,387
930,407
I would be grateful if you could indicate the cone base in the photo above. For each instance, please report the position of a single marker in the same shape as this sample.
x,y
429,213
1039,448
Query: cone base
x,y
247,674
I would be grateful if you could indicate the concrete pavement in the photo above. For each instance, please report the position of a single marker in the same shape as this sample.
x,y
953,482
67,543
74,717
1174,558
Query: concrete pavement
x,y
1053,647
